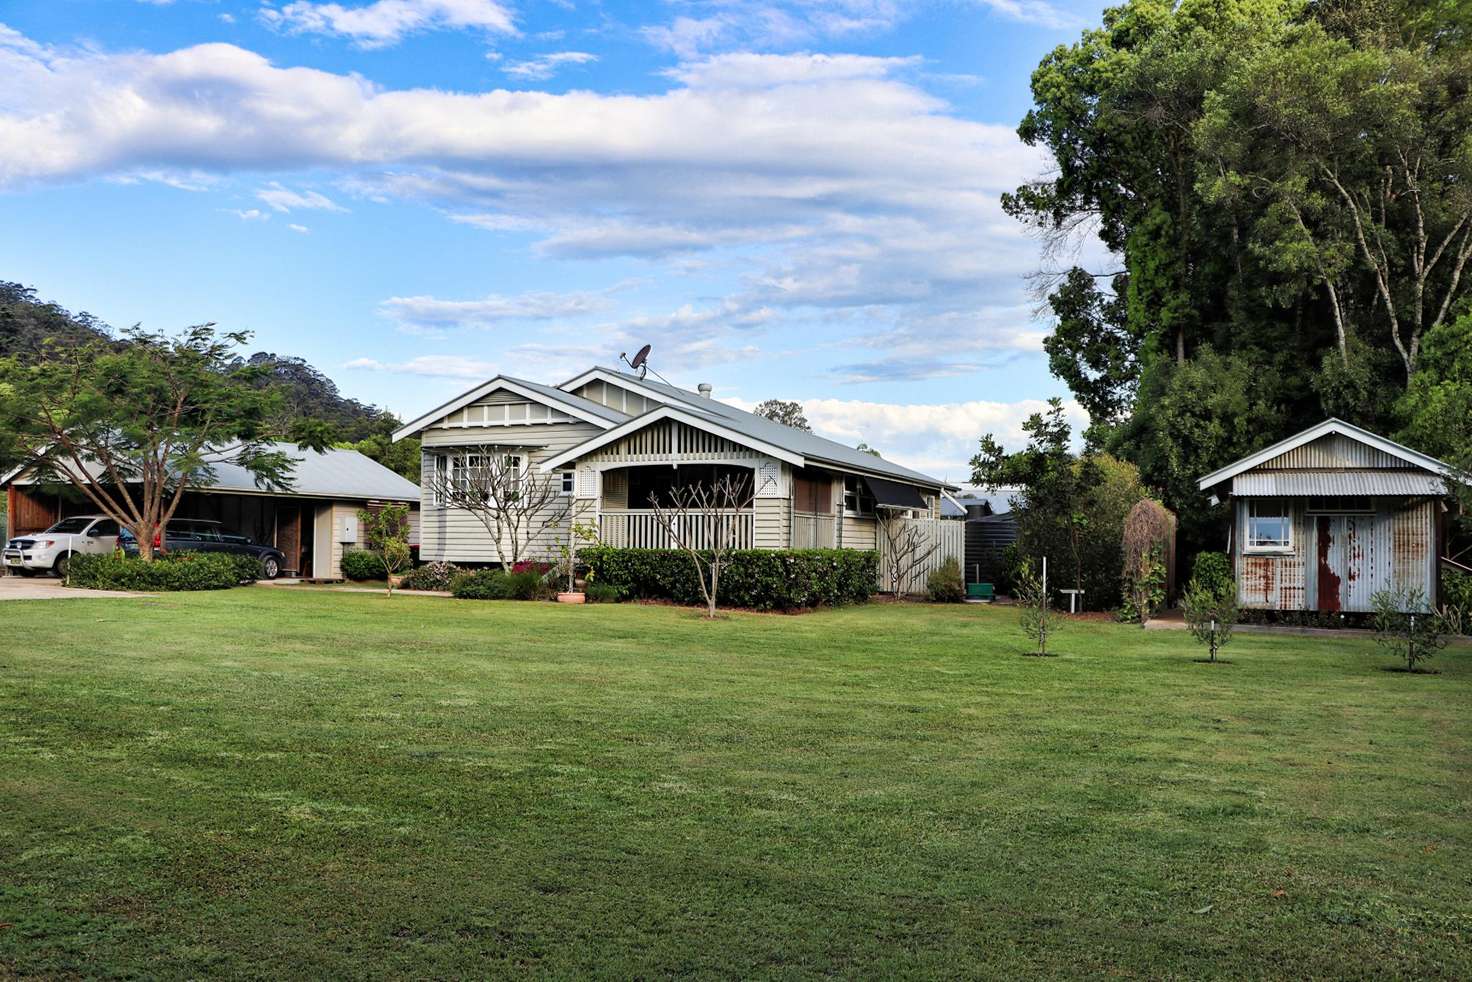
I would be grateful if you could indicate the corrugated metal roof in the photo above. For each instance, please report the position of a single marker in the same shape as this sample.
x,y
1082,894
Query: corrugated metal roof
x,y
1286,483
330,474
816,448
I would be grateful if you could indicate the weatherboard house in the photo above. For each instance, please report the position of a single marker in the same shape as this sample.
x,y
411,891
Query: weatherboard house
x,y
612,440
1326,519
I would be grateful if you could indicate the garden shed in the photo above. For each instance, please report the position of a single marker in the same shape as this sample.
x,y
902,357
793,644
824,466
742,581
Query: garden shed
x,y
1329,517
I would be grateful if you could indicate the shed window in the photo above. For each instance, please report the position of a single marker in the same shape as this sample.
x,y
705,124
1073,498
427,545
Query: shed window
x,y
856,497
1269,525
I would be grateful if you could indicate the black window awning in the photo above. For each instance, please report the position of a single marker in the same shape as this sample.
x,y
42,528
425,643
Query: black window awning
x,y
892,494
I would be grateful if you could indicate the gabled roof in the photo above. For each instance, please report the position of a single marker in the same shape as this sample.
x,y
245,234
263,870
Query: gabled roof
x,y
814,449
330,473
575,406
699,420
1327,428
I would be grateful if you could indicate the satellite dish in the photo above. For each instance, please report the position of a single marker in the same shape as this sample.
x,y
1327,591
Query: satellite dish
x,y
638,362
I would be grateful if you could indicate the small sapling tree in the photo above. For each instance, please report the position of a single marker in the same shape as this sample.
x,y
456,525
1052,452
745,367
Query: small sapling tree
x,y
1211,610
702,520
1035,609
1406,625
386,535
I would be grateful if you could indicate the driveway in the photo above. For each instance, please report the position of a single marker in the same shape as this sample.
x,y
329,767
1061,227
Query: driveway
x,y
45,588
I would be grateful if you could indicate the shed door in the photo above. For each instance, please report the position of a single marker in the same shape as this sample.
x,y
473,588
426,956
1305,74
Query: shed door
x,y
1331,562
1348,572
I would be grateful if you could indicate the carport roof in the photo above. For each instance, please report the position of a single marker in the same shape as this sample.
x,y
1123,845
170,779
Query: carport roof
x,y
334,473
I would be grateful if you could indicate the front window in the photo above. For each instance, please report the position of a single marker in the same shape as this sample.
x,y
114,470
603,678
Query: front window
x,y
1269,526
569,481
856,497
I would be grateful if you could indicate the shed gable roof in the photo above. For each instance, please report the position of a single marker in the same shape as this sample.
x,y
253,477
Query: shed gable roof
x,y
1332,444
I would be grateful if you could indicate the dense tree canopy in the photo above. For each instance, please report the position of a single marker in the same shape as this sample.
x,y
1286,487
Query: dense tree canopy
x,y
785,412
32,330
1286,189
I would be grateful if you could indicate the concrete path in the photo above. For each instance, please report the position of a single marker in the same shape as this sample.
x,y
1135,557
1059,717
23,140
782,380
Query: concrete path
x,y
46,588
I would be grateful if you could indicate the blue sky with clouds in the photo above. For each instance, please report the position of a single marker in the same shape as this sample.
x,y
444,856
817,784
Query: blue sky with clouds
x,y
787,199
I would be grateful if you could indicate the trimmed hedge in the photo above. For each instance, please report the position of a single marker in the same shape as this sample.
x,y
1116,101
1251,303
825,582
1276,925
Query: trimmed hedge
x,y
171,571
495,584
758,579
360,564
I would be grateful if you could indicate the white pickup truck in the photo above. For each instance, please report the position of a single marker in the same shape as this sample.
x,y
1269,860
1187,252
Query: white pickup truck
x,y
51,550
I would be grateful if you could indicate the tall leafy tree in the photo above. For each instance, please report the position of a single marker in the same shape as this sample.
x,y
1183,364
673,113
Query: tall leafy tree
x,y
785,412
1287,186
132,427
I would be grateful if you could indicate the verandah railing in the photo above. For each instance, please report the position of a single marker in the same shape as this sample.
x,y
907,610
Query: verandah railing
x,y
640,529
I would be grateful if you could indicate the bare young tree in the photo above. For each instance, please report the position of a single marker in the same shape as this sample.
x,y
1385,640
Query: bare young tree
x,y
704,520
497,485
906,550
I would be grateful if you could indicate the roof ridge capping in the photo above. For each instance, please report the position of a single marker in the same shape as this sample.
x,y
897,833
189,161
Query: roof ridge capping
x,y
1333,425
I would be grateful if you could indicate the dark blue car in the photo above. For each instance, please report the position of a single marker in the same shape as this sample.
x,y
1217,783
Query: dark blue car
x,y
203,535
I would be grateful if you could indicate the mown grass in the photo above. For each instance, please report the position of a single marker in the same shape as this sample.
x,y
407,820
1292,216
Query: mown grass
x,y
294,783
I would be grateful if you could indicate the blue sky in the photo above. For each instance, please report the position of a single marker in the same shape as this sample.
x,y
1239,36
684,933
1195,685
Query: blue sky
x,y
787,199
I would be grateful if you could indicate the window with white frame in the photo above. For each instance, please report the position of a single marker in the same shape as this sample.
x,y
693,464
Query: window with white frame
x,y
856,497
439,476
569,483
1269,524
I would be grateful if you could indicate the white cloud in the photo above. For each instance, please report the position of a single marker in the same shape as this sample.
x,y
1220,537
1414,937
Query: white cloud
x,y
227,18
284,199
545,66
250,214
937,439
425,313
434,366
718,24
386,22
831,183
300,229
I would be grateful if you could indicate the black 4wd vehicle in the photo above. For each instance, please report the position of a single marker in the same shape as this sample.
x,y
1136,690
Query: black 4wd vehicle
x,y
203,535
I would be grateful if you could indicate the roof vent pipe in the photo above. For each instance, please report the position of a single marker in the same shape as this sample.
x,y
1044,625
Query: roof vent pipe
x,y
705,389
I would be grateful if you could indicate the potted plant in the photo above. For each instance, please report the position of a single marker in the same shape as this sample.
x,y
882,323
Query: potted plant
x,y
568,562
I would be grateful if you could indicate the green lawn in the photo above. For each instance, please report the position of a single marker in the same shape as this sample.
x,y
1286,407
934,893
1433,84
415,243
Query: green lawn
x,y
296,783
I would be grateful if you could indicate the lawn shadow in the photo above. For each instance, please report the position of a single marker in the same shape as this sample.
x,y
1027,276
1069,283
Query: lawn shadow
x,y
1401,669
1208,661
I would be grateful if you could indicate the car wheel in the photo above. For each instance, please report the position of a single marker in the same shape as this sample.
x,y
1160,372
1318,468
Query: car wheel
x,y
270,567
59,567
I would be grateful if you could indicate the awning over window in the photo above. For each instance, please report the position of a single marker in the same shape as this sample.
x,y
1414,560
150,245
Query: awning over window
x,y
892,494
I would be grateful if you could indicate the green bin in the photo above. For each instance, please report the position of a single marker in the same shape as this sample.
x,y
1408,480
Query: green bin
x,y
979,591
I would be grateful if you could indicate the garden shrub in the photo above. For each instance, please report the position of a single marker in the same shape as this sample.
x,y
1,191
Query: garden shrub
x,y
360,564
481,584
171,571
528,584
1211,570
758,579
603,593
945,585
430,576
